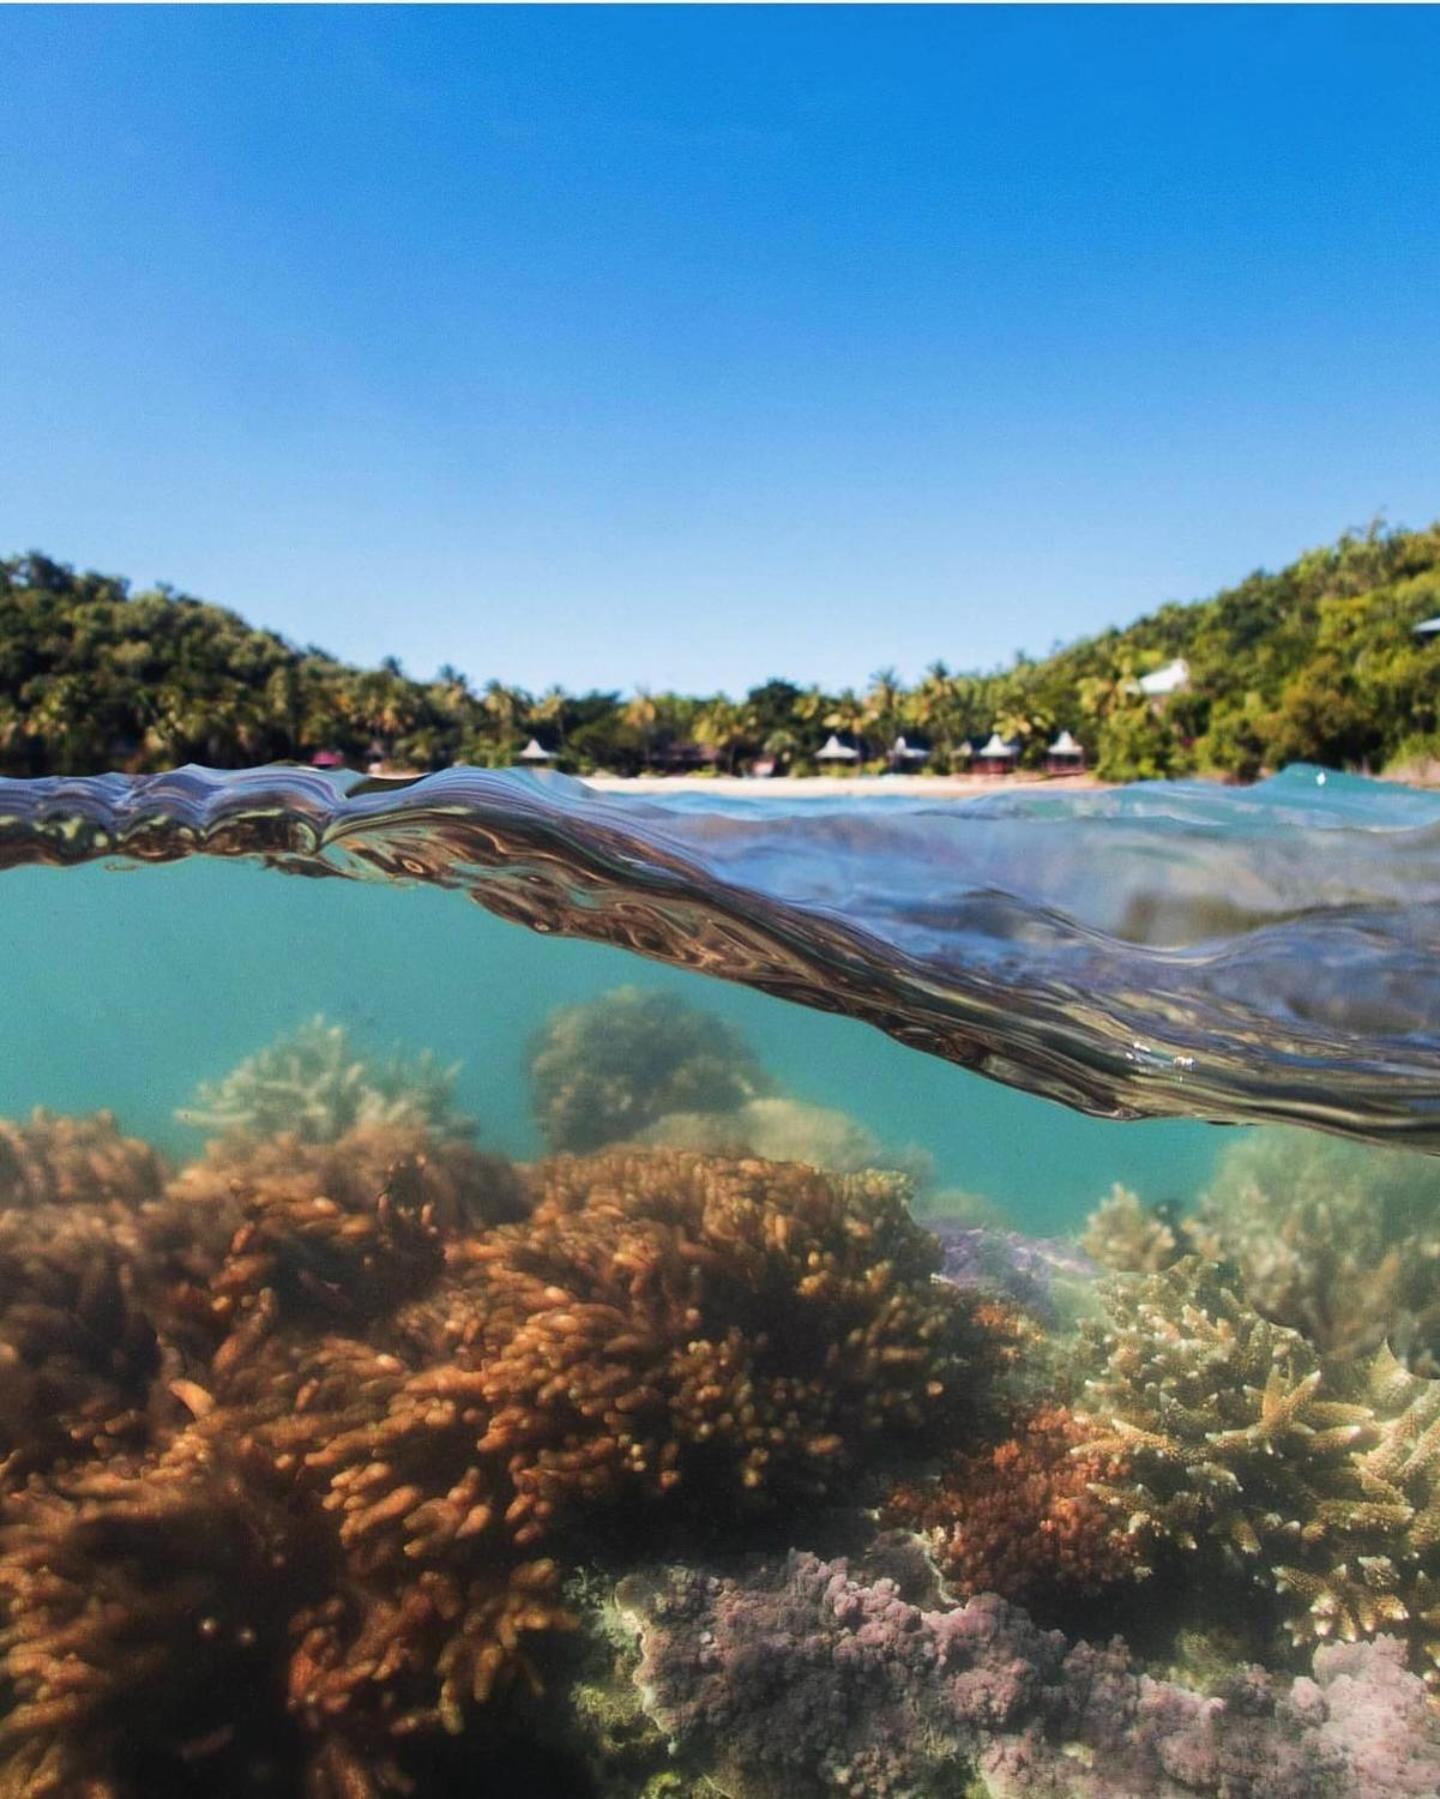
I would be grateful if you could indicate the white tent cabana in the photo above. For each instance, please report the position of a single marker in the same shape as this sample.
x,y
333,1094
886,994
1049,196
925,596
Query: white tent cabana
x,y
535,752
902,751
1428,627
832,750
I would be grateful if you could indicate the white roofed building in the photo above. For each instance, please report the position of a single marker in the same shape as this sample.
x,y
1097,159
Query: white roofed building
x,y
1065,756
1160,683
995,757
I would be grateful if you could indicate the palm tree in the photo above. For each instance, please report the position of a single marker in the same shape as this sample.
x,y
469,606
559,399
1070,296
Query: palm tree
x,y
718,728
641,714
549,711
847,713
783,745
882,703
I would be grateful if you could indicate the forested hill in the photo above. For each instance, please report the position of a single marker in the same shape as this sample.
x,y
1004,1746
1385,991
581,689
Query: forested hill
x,y
1316,663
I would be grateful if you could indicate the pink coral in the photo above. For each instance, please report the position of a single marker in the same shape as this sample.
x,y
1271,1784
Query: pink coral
x,y
805,1678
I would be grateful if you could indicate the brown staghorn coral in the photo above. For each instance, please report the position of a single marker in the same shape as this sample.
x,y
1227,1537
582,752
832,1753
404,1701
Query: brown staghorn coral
x,y
145,1617
78,1349
1248,1453
665,1333
665,1330
54,1160
1022,1519
663,1327
97,1295
349,1227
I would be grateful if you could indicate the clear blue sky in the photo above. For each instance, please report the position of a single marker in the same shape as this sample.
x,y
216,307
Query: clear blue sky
x,y
687,346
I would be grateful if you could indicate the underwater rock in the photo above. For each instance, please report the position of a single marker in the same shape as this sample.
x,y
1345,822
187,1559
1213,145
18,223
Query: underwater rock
x,y
314,1084
610,1069
802,1678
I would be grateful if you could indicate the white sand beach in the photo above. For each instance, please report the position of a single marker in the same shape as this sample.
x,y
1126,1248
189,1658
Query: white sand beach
x,y
836,786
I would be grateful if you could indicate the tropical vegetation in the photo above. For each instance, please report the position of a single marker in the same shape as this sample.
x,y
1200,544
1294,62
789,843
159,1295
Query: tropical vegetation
x,y
1318,663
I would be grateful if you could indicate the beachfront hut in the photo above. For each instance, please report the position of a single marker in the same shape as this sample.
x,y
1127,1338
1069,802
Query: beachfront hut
x,y
906,756
1065,756
684,758
327,759
535,754
1427,628
836,754
995,757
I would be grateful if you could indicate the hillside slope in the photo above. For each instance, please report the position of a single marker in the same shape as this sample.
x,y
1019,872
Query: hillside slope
x,y
1316,663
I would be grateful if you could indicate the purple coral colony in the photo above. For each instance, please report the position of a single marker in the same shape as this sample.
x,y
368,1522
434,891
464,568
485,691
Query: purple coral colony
x,y
351,1460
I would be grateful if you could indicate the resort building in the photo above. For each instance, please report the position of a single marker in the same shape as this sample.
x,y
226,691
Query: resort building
x,y
1162,682
995,757
835,753
1065,756
684,758
906,755
535,752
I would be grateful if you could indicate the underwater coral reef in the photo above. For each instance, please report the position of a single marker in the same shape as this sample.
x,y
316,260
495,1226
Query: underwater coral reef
x,y
316,1083
1276,1484
351,1459
806,1676
298,1449
609,1069
1339,1241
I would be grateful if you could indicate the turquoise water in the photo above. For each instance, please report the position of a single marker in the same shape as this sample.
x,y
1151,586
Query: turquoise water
x,y
522,1371
126,987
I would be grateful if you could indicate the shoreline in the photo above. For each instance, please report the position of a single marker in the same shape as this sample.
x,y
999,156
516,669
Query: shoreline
x,y
840,786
